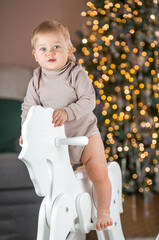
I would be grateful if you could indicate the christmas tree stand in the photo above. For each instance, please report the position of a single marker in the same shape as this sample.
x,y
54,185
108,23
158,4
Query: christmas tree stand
x,y
68,210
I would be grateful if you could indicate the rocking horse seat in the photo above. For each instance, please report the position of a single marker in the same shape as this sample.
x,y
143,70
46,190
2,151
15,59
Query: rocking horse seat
x,y
80,173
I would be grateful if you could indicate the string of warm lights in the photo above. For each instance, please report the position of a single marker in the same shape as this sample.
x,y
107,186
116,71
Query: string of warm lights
x,y
120,52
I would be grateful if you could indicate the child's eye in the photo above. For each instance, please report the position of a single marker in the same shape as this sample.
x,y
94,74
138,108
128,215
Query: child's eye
x,y
56,46
43,49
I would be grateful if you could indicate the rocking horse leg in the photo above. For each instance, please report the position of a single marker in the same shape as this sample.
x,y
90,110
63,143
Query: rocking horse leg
x,y
62,217
43,230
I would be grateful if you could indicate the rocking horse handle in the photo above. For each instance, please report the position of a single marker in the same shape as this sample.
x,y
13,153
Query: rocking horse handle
x,y
78,141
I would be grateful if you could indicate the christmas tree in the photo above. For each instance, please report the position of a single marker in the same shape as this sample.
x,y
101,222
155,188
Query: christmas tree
x,y
120,51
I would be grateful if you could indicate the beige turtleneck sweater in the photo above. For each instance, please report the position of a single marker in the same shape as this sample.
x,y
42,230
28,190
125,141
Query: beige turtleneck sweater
x,y
68,88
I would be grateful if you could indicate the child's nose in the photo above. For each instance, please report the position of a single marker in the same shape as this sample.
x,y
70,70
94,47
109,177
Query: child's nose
x,y
51,52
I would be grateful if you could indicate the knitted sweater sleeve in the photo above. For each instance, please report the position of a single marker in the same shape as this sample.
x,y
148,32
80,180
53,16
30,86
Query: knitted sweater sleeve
x,y
31,98
85,94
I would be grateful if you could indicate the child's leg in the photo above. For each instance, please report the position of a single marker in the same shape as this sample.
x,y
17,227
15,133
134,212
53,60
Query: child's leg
x,y
96,166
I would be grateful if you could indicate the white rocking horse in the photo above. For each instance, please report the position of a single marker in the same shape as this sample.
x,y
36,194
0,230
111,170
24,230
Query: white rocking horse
x,y
68,210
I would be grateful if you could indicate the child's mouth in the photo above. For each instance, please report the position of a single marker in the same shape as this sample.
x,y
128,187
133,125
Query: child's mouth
x,y
51,60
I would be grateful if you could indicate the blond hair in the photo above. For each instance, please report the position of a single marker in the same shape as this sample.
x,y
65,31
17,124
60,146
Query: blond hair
x,y
52,26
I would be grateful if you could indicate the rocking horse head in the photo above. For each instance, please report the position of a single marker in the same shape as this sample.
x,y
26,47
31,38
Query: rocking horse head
x,y
38,135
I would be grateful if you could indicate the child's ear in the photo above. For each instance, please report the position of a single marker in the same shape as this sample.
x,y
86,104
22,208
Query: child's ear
x,y
70,50
34,54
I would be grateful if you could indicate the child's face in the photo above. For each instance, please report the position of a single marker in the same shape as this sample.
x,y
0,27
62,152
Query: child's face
x,y
51,50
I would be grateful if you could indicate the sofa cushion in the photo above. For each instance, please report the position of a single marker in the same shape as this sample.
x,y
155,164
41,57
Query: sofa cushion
x,y
13,172
10,124
18,220
14,81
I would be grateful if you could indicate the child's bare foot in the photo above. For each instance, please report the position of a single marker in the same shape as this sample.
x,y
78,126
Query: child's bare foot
x,y
103,219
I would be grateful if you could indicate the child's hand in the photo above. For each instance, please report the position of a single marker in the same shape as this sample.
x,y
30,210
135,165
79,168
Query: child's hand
x,y
59,117
20,141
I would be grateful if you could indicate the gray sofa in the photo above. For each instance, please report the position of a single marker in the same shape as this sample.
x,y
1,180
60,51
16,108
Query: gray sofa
x,y
19,205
